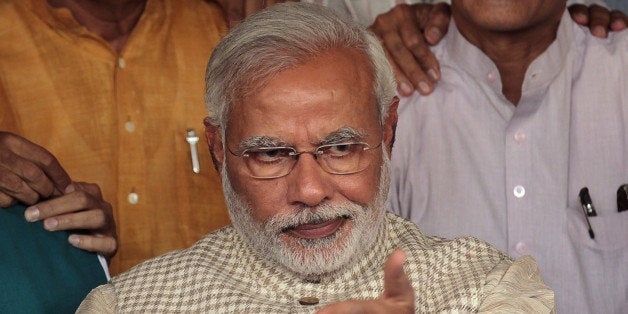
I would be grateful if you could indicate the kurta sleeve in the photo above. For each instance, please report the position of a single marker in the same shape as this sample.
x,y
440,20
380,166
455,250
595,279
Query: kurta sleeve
x,y
517,287
101,299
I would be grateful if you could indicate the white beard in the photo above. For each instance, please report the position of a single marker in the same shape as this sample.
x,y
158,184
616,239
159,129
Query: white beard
x,y
312,257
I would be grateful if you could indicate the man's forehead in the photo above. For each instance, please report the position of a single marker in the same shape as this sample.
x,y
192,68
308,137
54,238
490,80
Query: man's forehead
x,y
310,102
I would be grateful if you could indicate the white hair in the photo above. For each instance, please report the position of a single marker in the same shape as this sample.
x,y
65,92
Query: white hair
x,y
282,37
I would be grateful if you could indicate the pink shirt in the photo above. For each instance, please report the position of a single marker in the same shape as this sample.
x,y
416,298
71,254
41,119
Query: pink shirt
x,y
468,162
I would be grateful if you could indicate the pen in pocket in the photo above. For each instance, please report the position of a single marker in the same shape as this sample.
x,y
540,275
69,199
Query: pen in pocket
x,y
587,208
192,139
622,198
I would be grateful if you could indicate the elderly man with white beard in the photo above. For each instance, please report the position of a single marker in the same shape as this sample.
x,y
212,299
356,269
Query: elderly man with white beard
x,y
302,113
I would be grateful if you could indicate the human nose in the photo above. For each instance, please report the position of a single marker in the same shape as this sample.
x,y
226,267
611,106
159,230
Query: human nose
x,y
308,183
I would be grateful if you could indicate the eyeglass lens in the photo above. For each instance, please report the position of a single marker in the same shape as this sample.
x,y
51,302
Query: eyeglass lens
x,y
275,162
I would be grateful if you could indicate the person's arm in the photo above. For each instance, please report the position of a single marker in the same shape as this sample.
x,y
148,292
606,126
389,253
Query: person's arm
x,y
517,287
406,30
32,175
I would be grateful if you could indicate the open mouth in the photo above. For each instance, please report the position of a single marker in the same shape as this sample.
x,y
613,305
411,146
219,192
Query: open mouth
x,y
317,230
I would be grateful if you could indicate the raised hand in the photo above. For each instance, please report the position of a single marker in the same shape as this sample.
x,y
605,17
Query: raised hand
x,y
398,295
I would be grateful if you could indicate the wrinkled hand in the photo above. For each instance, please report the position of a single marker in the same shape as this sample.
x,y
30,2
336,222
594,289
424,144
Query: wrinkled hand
x,y
237,10
405,32
599,19
28,172
398,296
81,207
31,175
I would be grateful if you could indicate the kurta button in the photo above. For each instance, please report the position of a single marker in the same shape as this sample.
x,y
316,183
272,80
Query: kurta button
x,y
520,136
133,198
129,126
521,248
121,63
490,76
308,301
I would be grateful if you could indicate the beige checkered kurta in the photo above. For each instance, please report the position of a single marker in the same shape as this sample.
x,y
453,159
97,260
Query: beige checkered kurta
x,y
220,273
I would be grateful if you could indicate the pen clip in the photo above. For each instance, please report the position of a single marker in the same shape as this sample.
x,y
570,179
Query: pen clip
x,y
192,139
587,208
587,203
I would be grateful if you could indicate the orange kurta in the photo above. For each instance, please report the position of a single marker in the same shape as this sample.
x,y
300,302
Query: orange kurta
x,y
120,120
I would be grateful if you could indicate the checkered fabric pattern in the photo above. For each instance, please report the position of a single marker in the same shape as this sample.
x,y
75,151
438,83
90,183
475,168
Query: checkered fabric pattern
x,y
220,274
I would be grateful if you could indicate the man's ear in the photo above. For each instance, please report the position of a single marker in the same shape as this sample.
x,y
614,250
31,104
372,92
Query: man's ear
x,y
390,124
214,141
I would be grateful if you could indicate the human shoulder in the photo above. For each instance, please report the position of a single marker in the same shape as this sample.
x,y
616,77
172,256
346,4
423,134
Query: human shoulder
x,y
517,287
101,299
179,279
614,45
424,248
452,274
211,249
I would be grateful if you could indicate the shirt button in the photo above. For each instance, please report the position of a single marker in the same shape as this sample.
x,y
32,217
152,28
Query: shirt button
x,y
121,63
133,198
490,76
520,136
129,126
308,301
519,191
521,248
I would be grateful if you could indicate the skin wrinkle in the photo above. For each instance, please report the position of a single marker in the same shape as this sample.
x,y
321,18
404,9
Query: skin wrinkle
x,y
312,258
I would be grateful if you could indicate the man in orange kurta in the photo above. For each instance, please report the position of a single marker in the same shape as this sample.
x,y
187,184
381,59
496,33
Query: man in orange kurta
x,y
116,112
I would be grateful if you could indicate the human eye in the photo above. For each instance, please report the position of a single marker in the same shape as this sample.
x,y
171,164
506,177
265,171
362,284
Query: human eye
x,y
268,155
341,150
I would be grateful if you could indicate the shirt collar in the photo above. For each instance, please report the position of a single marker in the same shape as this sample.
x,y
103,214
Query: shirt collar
x,y
63,20
540,73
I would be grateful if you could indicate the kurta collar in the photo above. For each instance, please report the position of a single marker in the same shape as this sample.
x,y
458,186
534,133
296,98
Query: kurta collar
x,y
541,72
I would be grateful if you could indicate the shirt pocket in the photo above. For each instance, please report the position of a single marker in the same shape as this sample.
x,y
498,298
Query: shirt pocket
x,y
610,230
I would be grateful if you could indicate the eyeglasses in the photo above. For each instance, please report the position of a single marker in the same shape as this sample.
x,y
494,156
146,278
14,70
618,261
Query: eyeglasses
x,y
276,162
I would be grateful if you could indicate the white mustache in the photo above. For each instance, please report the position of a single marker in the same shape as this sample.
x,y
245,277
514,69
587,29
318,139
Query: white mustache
x,y
312,215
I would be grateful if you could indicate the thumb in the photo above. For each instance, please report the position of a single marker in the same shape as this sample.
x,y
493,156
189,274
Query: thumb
x,y
396,283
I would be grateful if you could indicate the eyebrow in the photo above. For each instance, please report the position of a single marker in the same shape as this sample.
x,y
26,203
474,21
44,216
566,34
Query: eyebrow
x,y
341,135
260,142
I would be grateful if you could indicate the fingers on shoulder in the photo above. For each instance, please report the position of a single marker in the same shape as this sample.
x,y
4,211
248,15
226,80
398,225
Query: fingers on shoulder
x,y
619,21
105,245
